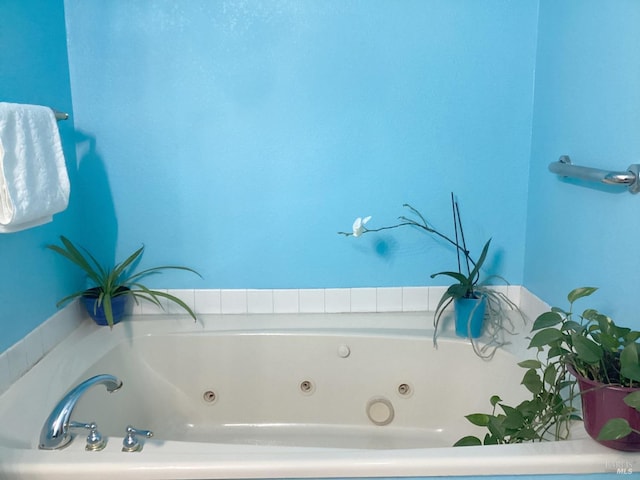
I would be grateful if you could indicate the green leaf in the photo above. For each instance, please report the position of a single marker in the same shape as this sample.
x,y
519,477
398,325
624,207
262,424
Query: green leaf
x,y
475,275
588,351
526,435
609,342
572,326
444,302
529,408
590,314
514,420
459,291
490,440
579,293
557,351
532,381
455,275
615,429
71,253
547,319
119,269
174,299
70,297
629,364
469,441
496,428
633,400
535,364
546,337
602,320
154,270
108,311
550,374
479,419
631,336
494,400
566,384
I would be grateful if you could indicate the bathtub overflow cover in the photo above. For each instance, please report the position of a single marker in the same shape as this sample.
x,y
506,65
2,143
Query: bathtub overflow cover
x,y
380,411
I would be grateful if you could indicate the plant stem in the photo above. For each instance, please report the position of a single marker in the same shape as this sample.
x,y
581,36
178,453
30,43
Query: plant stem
x,y
424,226
464,243
455,229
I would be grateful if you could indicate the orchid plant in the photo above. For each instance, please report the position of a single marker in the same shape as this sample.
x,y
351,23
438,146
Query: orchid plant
x,y
467,275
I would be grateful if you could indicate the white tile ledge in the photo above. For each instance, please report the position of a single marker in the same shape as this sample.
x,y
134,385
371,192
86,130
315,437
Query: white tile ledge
x,y
24,354
329,300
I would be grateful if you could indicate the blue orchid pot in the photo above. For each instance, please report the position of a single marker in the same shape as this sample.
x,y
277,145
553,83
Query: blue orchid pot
x,y
470,316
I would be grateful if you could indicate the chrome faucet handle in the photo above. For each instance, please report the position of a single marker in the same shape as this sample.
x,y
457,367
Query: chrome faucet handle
x,y
95,441
130,443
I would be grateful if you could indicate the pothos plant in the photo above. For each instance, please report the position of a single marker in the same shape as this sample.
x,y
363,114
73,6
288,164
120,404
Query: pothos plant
x,y
566,343
467,276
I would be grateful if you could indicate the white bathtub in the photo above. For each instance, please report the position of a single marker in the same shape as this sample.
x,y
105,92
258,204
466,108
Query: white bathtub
x,y
344,395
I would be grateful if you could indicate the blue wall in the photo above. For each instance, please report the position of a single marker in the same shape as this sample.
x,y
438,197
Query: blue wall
x,y
239,138
34,69
587,105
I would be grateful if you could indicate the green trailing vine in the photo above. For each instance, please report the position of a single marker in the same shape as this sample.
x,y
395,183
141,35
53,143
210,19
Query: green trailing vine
x,y
591,345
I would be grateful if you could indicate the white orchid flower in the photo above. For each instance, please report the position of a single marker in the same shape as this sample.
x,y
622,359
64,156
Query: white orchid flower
x,y
358,225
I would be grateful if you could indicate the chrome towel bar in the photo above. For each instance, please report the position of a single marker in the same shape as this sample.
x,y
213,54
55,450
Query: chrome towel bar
x,y
60,115
565,168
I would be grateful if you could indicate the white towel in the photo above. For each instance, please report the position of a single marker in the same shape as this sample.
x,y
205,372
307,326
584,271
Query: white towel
x,y
33,177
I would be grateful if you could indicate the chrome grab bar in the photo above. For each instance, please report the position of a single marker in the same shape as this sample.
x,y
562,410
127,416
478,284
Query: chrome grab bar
x,y
630,178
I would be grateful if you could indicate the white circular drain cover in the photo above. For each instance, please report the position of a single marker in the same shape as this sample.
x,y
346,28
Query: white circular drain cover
x,y
380,411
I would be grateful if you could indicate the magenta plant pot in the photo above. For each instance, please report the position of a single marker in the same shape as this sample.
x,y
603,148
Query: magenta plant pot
x,y
601,403
96,312
470,316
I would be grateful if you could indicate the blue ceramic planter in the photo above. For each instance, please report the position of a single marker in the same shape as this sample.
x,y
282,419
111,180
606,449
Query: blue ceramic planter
x,y
470,316
96,312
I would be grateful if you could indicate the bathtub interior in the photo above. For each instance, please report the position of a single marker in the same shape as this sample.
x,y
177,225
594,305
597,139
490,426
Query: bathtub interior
x,y
291,398
314,388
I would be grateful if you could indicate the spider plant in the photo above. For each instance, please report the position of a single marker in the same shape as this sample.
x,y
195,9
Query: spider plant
x,y
118,280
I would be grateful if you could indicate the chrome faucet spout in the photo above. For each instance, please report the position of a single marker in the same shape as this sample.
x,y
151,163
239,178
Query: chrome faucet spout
x,y
55,433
